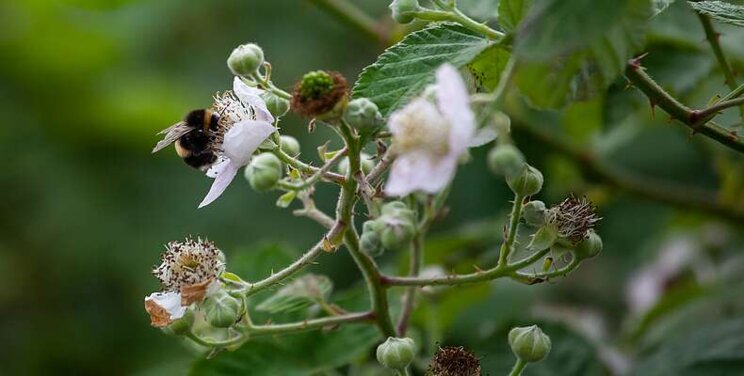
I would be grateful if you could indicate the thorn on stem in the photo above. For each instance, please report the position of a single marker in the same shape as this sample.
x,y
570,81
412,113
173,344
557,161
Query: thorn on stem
x,y
635,62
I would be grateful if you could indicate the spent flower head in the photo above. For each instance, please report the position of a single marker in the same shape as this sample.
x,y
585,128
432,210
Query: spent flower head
x,y
573,218
319,93
454,361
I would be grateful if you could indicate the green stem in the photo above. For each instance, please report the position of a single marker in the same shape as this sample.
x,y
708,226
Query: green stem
x,y
306,259
684,198
519,366
544,276
713,39
306,168
508,244
370,271
354,17
692,118
457,16
306,325
320,173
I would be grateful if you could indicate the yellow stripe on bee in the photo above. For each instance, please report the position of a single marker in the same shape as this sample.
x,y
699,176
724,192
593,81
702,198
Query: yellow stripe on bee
x,y
181,151
207,119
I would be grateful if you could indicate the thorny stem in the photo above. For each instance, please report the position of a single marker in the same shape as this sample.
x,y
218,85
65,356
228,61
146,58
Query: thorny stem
x,y
351,15
320,173
643,186
306,168
306,259
508,245
714,41
370,271
692,118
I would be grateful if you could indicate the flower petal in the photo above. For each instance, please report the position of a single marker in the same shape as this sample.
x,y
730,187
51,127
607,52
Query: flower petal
x,y
223,179
483,136
243,138
453,101
164,308
250,96
420,172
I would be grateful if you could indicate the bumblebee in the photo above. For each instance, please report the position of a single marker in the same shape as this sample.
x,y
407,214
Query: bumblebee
x,y
193,137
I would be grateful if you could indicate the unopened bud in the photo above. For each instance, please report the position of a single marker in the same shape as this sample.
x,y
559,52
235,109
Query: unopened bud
x,y
398,225
506,160
277,105
404,11
264,172
396,353
222,310
528,183
529,343
371,239
534,213
366,163
290,145
245,59
590,246
364,116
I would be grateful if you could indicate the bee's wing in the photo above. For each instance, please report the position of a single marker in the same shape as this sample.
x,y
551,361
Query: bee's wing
x,y
172,134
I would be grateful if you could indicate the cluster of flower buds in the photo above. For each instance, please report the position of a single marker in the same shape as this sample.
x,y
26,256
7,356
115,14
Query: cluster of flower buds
x,y
264,172
393,230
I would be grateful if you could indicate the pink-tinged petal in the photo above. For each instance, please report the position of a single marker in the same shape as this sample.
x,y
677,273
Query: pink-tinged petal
x,y
251,96
243,138
453,101
483,136
220,183
413,172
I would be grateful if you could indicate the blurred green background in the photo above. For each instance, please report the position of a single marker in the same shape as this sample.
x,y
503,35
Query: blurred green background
x,y
86,209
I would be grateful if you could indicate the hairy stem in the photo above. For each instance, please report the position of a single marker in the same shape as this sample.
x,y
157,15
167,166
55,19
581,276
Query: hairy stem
x,y
456,16
508,244
519,366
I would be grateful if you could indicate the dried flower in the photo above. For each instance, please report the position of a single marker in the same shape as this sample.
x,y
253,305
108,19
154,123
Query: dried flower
x,y
319,93
454,361
189,272
573,218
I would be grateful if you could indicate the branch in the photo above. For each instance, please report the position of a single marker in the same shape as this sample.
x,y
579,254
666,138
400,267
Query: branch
x,y
352,16
681,197
692,118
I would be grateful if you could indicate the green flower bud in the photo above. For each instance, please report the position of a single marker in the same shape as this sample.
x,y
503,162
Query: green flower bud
x,y
590,246
363,115
277,105
264,172
404,11
245,59
529,343
534,213
222,310
398,225
396,353
506,160
367,165
528,183
290,145
371,243
180,326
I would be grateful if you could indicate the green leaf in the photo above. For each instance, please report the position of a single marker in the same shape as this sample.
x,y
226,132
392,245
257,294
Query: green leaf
x,y
573,49
716,348
511,12
286,199
295,355
486,68
720,11
658,6
406,68
300,293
